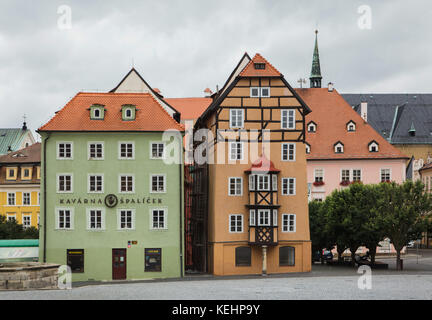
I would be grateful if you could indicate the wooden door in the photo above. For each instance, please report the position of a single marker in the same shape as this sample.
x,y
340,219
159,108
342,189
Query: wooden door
x,y
119,264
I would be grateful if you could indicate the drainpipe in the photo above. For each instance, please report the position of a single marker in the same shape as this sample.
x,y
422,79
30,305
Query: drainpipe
x,y
44,197
181,189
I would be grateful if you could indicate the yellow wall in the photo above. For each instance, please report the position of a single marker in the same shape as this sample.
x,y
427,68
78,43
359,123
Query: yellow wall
x,y
19,209
419,151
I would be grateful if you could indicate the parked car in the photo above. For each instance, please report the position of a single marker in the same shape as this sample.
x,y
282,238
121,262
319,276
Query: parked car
x,y
411,244
327,255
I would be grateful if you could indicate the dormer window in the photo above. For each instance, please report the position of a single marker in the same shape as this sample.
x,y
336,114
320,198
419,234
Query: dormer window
x,y
259,66
97,112
339,147
351,126
128,112
373,146
312,127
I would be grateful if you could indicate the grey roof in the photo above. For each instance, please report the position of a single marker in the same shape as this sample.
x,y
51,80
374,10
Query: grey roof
x,y
394,115
11,138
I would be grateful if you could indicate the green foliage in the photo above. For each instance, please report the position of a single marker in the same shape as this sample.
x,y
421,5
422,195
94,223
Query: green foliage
x,y
10,230
402,212
363,215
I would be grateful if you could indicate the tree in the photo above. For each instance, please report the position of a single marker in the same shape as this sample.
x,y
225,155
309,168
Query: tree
x,y
350,209
317,222
401,213
12,230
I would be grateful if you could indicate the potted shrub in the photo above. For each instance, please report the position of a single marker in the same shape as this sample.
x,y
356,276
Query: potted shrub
x,y
318,183
345,183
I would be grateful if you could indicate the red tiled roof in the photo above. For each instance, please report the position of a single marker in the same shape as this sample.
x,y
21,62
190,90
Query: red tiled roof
x,y
31,154
190,108
331,113
262,164
250,71
75,116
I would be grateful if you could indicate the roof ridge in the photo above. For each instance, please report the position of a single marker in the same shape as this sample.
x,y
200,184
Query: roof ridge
x,y
166,112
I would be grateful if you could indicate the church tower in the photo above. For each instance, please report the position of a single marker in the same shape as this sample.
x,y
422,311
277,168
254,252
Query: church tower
x,y
315,77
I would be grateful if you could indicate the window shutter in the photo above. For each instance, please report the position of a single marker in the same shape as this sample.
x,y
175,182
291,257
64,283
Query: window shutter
x,y
252,218
103,219
72,218
274,182
275,218
251,182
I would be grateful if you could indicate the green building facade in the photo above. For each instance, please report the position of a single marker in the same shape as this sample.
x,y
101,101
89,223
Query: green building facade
x,y
111,205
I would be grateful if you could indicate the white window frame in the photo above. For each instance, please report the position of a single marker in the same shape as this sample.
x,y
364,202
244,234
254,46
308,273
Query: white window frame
x,y
252,222
72,215
95,175
286,116
286,192
339,144
260,211
242,150
381,172
235,217
258,94
262,94
342,174
352,174
151,150
374,144
351,123
165,217
14,198
286,227
88,214
119,212
235,116
131,113
10,216
308,149
164,182
237,181
89,143
119,150
315,174
312,125
26,215
133,183
58,182
58,150
263,177
288,152
23,197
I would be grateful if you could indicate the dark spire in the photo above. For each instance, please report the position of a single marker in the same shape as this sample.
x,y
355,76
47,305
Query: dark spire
x,y
315,77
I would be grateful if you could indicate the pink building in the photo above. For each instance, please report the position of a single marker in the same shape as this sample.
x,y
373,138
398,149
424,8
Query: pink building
x,y
343,148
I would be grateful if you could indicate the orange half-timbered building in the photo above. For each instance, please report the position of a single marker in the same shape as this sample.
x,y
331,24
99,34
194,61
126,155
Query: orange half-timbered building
x,y
250,198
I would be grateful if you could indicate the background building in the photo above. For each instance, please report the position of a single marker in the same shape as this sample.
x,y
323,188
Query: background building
x,y
13,139
404,120
20,173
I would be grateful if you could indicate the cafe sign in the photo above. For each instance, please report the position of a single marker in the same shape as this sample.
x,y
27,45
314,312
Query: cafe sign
x,y
111,201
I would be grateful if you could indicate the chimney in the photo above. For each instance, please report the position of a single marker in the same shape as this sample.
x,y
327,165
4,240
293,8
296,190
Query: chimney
x,y
330,87
364,110
24,127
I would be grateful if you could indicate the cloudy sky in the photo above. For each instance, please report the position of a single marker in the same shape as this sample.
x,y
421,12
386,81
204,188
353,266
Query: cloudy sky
x,y
182,47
